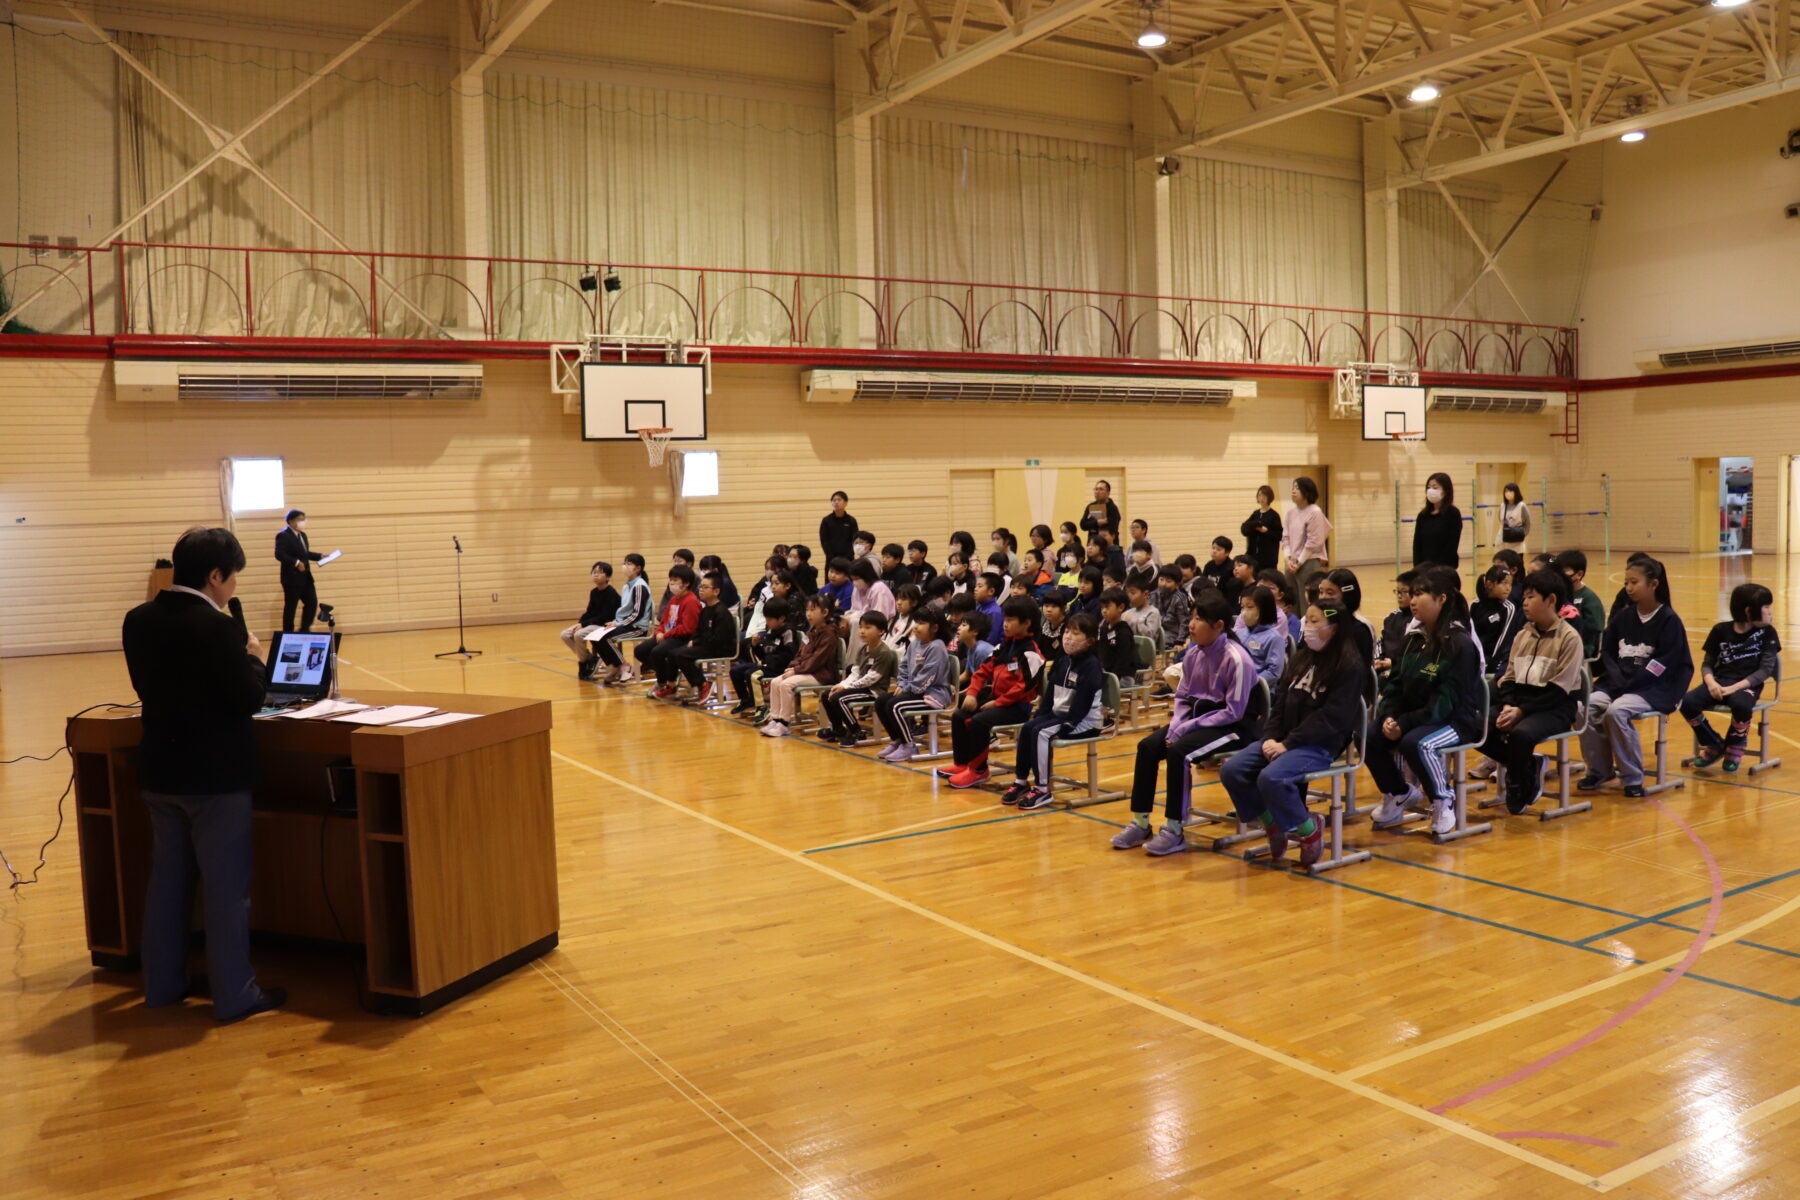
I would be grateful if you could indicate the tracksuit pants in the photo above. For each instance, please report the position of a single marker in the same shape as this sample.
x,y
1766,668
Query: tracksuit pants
x,y
1173,758
1035,752
837,708
896,711
608,650
1516,748
971,732
1422,749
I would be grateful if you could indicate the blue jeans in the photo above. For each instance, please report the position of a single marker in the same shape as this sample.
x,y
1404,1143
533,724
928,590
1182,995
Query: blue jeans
x,y
213,833
1257,786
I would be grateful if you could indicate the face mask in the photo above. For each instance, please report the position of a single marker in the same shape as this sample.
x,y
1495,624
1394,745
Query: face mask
x,y
1434,494
300,525
1316,639
1071,642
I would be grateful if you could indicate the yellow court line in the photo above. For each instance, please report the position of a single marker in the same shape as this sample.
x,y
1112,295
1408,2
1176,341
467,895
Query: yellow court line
x,y
971,812
1668,1154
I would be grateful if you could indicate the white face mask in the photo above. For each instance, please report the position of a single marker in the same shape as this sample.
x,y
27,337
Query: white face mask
x,y
1072,642
1316,639
1434,494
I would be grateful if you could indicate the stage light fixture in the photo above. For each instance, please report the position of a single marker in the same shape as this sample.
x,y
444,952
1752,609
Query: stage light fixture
x,y
588,282
613,282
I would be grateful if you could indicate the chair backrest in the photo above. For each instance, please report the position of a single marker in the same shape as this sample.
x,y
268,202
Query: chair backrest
x,y
843,655
1258,708
1581,701
1146,650
1359,741
1109,693
1775,695
953,673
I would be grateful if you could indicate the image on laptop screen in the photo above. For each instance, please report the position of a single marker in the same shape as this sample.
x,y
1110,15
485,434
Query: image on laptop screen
x,y
300,663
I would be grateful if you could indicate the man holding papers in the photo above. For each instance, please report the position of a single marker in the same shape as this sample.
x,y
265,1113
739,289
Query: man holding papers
x,y
592,625
296,556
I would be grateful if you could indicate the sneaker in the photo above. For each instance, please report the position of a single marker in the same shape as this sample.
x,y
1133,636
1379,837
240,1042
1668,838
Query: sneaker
x,y
1485,769
1730,765
270,1000
970,776
1414,800
1312,846
1016,792
1168,840
741,707
1443,817
706,692
947,772
827,733
1709,756
1389,813
663,692
1634,791
1131,837
585,670
775,729
850,739
1278,842
886,753
1591,781
902,753
1037,798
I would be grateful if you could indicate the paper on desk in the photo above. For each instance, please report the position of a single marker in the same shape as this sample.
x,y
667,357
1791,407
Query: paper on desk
x,y
600,631
388,715
331,558
325,708
443,718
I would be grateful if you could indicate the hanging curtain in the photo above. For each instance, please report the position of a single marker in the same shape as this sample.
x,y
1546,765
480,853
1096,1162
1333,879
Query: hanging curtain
x,y
367,151
604,174
988,206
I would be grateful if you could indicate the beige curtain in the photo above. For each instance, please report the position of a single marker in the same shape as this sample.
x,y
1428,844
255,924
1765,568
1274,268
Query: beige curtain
x,y
988,206
367,151
598,173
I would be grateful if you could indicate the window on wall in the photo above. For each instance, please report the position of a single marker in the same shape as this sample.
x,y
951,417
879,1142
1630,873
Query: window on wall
x,y
699,473
256,485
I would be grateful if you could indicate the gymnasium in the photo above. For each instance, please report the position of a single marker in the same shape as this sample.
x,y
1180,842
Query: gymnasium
x,y
908,599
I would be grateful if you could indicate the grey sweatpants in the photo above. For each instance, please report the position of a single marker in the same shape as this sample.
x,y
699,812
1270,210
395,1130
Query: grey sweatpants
x,y
1610,741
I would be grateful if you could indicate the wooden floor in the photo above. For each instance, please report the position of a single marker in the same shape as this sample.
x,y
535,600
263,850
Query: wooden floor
x,y
791,970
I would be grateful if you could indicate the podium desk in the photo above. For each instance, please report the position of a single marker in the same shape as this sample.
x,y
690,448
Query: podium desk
x,y
434,849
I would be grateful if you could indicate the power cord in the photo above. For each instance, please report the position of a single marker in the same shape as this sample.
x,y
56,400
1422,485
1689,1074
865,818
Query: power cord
x,y
19,880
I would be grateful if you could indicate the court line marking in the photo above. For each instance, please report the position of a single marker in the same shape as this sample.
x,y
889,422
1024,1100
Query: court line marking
x,y
894,837
1714,908
663,1069
1619,1176
1219,1033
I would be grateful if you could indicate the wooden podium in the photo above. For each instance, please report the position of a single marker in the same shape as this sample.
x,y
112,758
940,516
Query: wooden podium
x,y
435,849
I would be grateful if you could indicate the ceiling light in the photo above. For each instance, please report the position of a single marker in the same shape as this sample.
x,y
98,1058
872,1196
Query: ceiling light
x,y
1152,37
1636,135
1729,3
1423,92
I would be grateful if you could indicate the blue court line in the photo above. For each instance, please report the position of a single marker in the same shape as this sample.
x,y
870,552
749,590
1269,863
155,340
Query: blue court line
x,y
895,837
1657,917
1531,933
1730,782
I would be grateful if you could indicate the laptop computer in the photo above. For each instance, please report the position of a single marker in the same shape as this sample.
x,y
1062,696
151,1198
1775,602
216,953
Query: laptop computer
x,y
300,669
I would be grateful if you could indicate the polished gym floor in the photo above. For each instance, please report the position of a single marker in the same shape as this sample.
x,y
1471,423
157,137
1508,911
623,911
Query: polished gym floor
x,y
789,970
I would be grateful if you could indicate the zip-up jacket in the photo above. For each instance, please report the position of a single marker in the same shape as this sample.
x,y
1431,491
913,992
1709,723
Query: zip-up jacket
x,y
634,606
925,671
819,656
715,636
1011,674
1268,646
1074,691
1495,623
1118,650
1544,671
1307,710
1216,684
1646,658
1592,623
1172,604
776,649
1423,689
1393,633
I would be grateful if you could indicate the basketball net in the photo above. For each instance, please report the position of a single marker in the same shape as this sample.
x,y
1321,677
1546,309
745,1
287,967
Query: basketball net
x,y
656,443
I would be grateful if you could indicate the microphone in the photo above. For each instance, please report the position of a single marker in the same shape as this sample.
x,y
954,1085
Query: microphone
x,y
237,614
455,541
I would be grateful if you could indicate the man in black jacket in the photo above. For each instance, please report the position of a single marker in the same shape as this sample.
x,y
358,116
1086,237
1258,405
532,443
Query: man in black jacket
x,y
838,529
200,677
295,554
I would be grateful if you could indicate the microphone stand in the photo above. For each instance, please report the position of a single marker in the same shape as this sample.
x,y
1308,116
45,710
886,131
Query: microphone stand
x,y
462,643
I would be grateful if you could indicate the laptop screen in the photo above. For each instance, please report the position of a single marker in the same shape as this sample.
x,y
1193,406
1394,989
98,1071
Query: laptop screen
x,y
300,664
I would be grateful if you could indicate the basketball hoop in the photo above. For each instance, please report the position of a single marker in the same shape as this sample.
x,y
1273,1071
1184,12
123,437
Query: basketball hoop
x,y
656,443
1408,435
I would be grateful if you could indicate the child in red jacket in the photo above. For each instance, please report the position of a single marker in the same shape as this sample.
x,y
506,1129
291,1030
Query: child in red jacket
x,y
1000,692
675,627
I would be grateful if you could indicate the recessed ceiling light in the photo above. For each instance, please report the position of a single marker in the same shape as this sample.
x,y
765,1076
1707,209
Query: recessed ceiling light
x,y
1636,135
1423,93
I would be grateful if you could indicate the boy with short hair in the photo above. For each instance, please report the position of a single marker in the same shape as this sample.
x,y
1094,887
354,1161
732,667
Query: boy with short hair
x,y
1171,606
1140,532
1397,624
1000,692
1055,606
675,626
971,647
1142,616
1113,577
1140,558
922,571
863,547
871,671
894,571
837,587
1591,618
771,652
1537,694
715,636
816,662
1220,570
1068,574
1034,574
1070,706
1118,649
956,570
806,576
1243,574
632,620
987,602
602,607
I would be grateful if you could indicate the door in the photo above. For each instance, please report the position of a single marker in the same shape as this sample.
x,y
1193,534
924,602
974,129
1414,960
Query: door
x,y
1281,478
1491,479
971,507
1707,487
1027,496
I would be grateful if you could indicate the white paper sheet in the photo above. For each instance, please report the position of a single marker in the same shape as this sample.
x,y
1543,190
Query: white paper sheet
x,y
325,708
332,557
443,718
599,632
392,714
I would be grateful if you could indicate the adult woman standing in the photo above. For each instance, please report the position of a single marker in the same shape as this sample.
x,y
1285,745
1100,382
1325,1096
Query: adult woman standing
x,y
1437,531
1303,534
1515,517
1262,531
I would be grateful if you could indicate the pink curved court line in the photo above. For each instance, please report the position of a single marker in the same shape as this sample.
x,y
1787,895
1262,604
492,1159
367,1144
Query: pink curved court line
x,y
1561,1137
1707,927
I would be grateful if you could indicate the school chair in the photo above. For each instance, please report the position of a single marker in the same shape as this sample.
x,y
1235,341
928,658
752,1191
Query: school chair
x,y
937,720
1565,763
1255,713
1136,692
819,689
1456,762
717,671
1760,710
1341,802
1091,740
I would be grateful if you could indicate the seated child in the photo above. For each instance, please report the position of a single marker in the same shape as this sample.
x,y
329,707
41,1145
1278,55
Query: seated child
x,y
675,626
715,636
871,674
1034,575
806,576
922,571
1590,620
1263,634
1537,692
1068,573
1087,594
921,684
602,607
1056,615
988,588
908,600
956,570
837,588
1210,716
1172,606
771,652
633,620
1397,624
1645,666
1142,616
816,663
894,571
1738,657
1118,646
999,692
1221,570
1070,705
1494,618
972,647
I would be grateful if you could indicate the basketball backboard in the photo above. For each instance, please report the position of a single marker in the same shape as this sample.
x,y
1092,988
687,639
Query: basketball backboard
x,y
618,399
1390,413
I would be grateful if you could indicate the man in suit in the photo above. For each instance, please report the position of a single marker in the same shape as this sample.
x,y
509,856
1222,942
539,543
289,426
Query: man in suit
x,y
200,676
296,557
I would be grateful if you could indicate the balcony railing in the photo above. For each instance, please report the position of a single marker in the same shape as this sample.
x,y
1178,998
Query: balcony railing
x,y
260,292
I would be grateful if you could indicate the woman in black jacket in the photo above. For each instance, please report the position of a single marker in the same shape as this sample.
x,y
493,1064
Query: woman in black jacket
x,y
1262,531
1437,531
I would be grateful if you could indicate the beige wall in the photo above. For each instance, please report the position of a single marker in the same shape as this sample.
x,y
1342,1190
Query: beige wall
x,y
92,490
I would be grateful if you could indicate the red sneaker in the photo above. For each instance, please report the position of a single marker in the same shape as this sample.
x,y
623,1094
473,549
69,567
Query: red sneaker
x,y
969,777
706,691
1312,845
663,692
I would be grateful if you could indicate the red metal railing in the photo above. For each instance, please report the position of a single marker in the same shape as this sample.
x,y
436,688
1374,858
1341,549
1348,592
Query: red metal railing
x,y
249,291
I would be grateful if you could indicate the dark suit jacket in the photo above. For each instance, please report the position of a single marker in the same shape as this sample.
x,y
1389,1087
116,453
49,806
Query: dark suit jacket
x,y
200,689
290,549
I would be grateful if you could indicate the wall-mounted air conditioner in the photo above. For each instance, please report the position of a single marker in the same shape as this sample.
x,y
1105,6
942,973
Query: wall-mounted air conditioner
x,y
162,382
1493,401
1719,354
962,387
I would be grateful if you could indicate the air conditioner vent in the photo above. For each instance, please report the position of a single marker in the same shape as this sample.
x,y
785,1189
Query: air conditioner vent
x,y
237,382
1483,400
997,388
1706,356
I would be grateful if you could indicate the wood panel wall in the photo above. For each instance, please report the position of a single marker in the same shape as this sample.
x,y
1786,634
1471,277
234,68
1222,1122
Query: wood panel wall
x,y
93,490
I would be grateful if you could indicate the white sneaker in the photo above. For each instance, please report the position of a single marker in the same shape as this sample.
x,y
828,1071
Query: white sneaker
x,y
1485,769
1390,812
774,729
1414,800
1443,816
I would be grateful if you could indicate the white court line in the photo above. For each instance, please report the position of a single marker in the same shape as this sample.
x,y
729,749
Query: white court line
x,y
872,837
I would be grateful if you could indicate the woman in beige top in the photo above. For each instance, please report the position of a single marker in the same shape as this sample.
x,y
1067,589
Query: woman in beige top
x,y
1303,533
